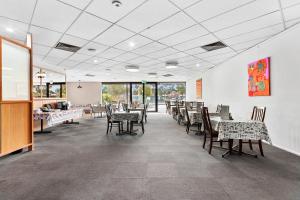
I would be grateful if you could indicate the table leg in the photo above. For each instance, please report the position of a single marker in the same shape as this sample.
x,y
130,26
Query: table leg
x,y
42,128
240,147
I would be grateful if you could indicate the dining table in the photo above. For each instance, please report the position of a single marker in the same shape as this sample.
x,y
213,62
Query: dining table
x,y
127,117
240,129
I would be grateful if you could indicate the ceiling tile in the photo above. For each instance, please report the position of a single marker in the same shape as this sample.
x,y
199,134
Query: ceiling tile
x,y
88,30
175,56
222,51
57,53
95,60
81,4
139,60
44,15
162,53
292,22
19,29
111,53
40,49
68,39
204,40
79,57
108,63
68,63
52,60
288,3
292,12
207,9
252,25
106,10
44,36
183,4
248,44
143,17
256,34
196,50
114,35
154,46
17,10
126,56
169,26
92,45
137,40
261,7
185,35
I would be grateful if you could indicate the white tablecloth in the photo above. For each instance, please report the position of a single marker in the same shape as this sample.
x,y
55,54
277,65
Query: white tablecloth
x,y
124,116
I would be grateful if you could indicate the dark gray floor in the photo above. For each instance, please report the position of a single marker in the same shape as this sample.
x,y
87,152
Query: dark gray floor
x,y
81,162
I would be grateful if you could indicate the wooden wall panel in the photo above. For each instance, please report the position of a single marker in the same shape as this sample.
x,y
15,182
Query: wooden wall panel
x,y
16,126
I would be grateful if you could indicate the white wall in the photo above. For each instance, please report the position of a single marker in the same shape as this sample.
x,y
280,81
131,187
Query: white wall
x,y
227,84
90,93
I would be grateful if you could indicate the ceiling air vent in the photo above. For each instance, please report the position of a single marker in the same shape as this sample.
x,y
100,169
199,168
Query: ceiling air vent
x,y
168,75
90,75
67,47
214,46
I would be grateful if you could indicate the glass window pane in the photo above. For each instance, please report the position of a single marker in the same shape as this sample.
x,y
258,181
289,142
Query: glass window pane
x,y
54,91
115,92
15,72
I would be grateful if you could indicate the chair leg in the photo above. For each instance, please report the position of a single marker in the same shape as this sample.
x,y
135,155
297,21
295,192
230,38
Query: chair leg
x,y
210,144
107,128
221,143
110,127
143,130
119,127
204,140
260,148
187,128
250,145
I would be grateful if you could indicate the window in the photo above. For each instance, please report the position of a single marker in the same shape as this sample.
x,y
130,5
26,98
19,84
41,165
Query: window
x,y
55,90
171,91
115,92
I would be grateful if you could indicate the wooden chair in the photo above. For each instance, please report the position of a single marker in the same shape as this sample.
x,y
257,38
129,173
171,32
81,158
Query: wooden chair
x,y
188,121
139,122
258,114
209,131
110,122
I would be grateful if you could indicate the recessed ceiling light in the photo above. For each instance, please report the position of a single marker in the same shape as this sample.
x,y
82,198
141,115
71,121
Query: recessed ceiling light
x,y
131,44
132,68
96,61
152,75
171,64
197,65
10,30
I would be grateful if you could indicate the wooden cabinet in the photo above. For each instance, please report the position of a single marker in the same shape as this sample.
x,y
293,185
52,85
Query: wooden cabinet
x,y
15,97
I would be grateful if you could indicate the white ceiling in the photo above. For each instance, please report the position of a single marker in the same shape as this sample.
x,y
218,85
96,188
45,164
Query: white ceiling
x,y
160,30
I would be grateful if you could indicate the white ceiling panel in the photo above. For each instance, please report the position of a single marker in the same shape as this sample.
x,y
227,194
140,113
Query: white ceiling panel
x,y
196,50
222,51
185,35
175,56
96,60
81,4
92,45
162,53
207,9
169,26
19,29
139,60
40,49
183,4
220,58
68,39
79,57
292,12
154,46
253,35
57,53
292,22
17,10
148,14
68,63
114,35
88,30
248,44
234,17
53,60
204,40
252,25
111,53
150,63
105,9
44,36
288,3
137,42
109,63
126,56
54,15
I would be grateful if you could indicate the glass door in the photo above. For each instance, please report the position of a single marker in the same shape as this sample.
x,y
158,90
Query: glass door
x,y
137,94
150,93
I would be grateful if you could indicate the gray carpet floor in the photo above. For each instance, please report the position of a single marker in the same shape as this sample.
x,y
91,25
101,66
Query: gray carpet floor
x,y
81,162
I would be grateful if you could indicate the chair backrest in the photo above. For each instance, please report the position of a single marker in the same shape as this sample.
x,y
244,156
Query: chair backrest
x,y
125,106
258,113
187,115
219,106
224,112
206,121
199,107
189,105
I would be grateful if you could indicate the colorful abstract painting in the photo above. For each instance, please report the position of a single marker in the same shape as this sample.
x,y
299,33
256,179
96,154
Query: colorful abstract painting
x,y
259,78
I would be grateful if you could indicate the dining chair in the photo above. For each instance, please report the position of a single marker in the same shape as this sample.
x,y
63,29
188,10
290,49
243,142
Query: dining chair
x,y
258,114
199,106
139,122
110,122
209,131
188,122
